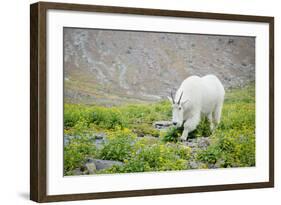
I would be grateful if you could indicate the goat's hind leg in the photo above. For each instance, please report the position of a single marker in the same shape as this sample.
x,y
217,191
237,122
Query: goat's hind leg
x,y
210,119
217,113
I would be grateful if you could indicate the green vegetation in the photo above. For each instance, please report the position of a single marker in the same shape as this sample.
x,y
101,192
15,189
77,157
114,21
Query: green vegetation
x,y
151,155
76,152
119,145
132,139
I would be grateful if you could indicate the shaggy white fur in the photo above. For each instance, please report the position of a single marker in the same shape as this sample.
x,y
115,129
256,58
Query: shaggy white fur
x,y
195,97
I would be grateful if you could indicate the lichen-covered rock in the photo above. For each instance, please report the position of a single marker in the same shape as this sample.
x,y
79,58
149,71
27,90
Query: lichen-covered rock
x,y
203,142
198,142
93,165
90,166
162,124
105,164
77,172
196,165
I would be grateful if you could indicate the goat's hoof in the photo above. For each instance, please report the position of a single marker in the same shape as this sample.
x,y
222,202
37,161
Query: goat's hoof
x,y
182,139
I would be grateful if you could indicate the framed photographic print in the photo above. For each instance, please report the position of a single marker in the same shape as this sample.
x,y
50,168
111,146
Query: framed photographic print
x,y
135,102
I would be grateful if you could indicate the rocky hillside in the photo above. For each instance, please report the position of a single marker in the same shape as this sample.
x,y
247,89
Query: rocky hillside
x,y
103,66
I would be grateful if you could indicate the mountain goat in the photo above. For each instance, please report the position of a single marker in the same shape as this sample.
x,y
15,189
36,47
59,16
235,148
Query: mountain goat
x,y
195,97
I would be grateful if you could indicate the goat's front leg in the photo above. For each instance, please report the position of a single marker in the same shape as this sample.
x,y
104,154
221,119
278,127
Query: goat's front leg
x,y
189,126
184,134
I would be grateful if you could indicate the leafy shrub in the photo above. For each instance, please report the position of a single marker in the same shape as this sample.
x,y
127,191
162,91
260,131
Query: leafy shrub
x,y
108,118
111,117
172,134
156,157
145,129
146,113
237,115
202,130
182,151
76,151
118,146
80,128
73,113
150,154
211,155
232,149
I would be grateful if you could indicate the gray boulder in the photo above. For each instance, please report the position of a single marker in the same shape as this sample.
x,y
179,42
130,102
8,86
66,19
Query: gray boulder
x,y
203,142
90,167
162,124
93,165
105,164
77,172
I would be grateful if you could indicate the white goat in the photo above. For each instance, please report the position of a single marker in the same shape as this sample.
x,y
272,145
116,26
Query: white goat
x,y
197,96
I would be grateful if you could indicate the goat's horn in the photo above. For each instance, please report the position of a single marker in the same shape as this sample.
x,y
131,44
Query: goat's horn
x,y
180,98
172,97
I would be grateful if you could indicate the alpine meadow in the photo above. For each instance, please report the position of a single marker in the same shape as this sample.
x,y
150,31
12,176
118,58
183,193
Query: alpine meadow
x,y
125,109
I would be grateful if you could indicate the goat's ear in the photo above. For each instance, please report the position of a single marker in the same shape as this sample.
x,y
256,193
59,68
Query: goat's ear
x,y
185,102
170,99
